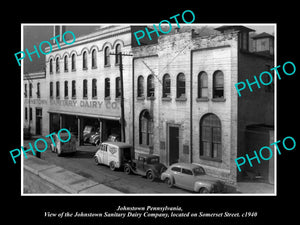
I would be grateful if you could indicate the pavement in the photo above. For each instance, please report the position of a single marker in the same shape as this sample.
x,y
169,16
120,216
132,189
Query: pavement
x,y
63,179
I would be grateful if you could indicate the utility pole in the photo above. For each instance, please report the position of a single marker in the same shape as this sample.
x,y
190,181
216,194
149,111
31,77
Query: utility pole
x,y
120,54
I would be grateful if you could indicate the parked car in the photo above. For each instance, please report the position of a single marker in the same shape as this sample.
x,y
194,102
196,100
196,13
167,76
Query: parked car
x,y
63,147
88,131
145,165
114,154
191,177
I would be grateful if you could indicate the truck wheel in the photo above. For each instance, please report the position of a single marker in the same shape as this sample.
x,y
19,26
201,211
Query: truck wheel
x,y
150,176
169,182
127,169
112,165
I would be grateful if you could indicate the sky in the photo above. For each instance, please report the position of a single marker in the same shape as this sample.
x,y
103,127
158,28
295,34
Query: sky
x,y
34,35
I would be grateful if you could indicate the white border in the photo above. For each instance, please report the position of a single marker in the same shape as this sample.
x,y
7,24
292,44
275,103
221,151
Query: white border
x,y
149,24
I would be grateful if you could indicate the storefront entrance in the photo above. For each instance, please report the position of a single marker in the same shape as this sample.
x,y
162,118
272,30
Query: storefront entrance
x,y
173,144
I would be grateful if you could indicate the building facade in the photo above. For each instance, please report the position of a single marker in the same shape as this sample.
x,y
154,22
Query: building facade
x,y
179,95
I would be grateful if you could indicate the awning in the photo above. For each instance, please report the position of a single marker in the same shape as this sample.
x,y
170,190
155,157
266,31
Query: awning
x,y
107,117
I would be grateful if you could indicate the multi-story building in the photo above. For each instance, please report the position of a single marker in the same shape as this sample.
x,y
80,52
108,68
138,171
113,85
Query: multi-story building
x,y
179,95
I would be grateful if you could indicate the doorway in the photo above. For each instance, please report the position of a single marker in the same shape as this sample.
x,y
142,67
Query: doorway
x,y
173,144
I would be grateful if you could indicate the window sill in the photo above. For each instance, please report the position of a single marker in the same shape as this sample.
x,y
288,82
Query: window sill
x,y
108,65
107,98
73,70
151,98
74,97
84,68
210,159
204,99
66,97
166,99
94,67
118,98
66,71
181,99
84,97
140,98
218,99
94,98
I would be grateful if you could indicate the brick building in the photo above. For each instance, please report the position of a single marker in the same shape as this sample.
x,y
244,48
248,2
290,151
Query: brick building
x,y
179,95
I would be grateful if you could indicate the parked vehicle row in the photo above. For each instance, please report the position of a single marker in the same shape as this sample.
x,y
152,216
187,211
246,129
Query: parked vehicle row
x,y
183,175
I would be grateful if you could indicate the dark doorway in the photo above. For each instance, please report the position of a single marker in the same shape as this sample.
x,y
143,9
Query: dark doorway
x,y
173,145
38,121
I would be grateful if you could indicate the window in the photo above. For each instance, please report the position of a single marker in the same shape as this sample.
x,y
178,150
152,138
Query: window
x,y
176,169
107,87
118,87
187,171
26,114
94,88
118,50
210,137
140,85
150,86
25,91
181,86
73,62
202,85
73,89
57,89
30,90
84,61
146,128
51,66
94,59
84,89
66,63
38,95
106,57
57,65
166,86
30,113
51,89
66,89
218,84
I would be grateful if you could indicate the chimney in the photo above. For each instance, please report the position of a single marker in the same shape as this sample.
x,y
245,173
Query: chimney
x,y
58,30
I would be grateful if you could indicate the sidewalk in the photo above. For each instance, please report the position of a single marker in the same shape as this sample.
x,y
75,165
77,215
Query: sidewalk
x,y
62,179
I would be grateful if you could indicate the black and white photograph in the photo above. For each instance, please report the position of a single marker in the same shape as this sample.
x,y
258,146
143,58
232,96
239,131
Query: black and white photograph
x,y
164,116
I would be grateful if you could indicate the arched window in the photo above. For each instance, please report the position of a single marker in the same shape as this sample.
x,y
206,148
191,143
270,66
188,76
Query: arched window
x,y
166,86
85,91
202,85
94,59
66,63
118,50
210,137
146,129
106,56
150,86
73,62
181,86
118,87
38,95
107,87
57,89
140,86
94,88
66,89
57,65
73,89
218,84
84,61
51,66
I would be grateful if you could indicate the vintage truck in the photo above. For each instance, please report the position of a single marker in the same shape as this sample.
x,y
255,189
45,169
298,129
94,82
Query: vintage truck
x,y
145,165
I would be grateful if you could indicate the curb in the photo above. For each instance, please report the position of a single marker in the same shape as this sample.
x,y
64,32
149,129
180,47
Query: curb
x,y
65,179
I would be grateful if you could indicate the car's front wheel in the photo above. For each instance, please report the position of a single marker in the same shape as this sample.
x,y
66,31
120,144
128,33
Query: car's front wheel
x,y
203,190
127,169
96,160
150,176
169,182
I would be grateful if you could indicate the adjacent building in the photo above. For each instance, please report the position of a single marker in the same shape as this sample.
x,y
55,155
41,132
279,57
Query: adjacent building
x,y
179,97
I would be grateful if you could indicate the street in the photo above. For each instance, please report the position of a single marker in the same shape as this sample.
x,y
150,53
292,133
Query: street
x,y
82,163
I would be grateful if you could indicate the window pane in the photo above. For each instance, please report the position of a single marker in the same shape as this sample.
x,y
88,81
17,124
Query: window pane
x,y
140,86
166,85
187,171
